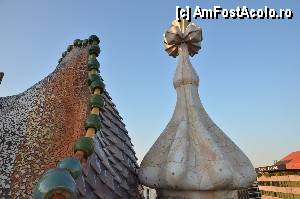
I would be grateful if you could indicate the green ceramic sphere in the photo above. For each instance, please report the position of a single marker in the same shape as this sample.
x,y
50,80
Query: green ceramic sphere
x,y
72,165
77,43
84,144
55,180
93,77
94,49
85,42
93,64
70,47
98,83
92,121
93,39
96,101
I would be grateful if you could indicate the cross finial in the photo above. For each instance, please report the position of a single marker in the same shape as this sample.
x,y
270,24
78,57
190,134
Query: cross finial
x,y
182,24
183,32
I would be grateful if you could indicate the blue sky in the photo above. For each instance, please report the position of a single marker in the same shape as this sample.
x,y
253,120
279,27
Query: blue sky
x,y
249,69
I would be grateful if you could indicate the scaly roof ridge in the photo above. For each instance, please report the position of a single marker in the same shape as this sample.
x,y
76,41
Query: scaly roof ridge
x,y
104,174
40,126
51,184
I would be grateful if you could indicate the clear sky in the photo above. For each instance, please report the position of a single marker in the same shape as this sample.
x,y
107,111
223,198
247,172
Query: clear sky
x,y
249,69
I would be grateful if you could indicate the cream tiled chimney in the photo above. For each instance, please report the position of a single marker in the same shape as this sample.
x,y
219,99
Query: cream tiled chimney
x,y
193,158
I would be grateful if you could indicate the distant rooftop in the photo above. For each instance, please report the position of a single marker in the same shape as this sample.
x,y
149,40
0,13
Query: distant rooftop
x,y
291,161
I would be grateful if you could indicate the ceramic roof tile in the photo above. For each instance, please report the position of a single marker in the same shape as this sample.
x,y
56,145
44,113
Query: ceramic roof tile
x,y
81,185
118,167
112,174
95,164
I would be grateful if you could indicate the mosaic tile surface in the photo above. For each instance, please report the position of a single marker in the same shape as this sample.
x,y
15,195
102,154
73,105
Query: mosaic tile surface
x,y
39,127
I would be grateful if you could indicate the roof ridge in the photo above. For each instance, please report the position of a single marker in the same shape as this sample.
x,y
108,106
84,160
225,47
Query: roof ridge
x,y
70,167
93,151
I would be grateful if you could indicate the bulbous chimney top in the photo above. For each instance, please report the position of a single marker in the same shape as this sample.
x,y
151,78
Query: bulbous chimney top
x,y
193,158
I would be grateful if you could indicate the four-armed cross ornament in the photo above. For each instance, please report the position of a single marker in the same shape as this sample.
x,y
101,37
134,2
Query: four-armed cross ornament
x,y
183,32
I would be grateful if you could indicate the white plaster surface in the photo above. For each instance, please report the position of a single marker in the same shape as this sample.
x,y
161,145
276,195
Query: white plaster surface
x,y
193,155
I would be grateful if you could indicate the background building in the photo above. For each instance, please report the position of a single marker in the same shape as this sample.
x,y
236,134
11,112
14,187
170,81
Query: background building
x,y
281,180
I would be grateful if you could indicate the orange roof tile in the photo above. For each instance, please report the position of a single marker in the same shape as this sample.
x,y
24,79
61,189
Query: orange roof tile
x,y
292,161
